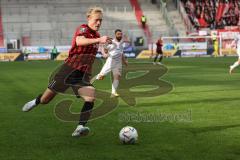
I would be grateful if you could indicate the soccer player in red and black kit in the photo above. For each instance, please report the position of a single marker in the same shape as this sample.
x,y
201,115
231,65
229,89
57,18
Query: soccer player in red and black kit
x,y
159,52
76,70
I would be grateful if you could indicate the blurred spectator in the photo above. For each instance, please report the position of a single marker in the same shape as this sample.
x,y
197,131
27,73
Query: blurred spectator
x,y
26,52
139,41
54,53
212,13
143,21
221,23
177,48
159,52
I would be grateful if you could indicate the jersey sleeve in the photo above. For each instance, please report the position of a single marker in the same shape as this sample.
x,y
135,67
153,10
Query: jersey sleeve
x,y
82,31
107,46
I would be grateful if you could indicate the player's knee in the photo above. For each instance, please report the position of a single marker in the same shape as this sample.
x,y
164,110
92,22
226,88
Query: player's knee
x,y
89,99
116,76
45,100
87,93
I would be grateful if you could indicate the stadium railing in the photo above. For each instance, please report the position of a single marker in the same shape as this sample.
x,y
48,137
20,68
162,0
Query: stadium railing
x,y
189,27
162,6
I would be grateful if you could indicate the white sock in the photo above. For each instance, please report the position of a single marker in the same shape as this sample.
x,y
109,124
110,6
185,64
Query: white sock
x,y
33,102
79,126
98,76
235,65
115,86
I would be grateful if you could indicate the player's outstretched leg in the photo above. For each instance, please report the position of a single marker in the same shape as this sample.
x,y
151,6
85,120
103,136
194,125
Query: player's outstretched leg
x,y
41,99
232,67
115,83
155,59
100,76
114,88
88,94
104,71
160,59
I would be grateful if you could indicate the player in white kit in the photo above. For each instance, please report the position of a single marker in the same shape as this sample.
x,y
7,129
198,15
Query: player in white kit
x,y
115,58
237,41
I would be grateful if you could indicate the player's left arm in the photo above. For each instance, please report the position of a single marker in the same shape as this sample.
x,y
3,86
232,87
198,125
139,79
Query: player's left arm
x,y
124,59
105,53
105,50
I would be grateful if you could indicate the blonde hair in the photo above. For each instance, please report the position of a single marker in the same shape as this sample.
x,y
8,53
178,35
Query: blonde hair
x,y
93,10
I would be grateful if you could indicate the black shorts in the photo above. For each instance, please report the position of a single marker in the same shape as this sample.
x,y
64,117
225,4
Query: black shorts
x,y
159,52
67,77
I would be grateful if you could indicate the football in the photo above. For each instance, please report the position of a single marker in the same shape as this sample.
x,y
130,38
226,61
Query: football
x,y
128,135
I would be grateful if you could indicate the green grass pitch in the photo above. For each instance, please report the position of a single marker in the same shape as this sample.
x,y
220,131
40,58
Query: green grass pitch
x,y
203,90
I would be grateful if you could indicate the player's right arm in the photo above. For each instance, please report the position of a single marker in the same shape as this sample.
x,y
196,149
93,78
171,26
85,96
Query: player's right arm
x,y
83,41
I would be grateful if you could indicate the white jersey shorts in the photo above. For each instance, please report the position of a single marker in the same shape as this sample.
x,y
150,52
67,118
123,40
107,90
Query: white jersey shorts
x,y
111,65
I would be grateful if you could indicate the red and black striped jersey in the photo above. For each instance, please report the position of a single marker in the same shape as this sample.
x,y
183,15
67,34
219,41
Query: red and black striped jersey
x,y
82,57
159,45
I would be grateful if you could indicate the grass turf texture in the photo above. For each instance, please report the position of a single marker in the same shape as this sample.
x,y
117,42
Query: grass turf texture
x,y
202,87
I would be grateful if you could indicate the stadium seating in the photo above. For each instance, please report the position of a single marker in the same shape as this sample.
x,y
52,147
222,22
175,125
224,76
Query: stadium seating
x,y
214,14
155,21
1,31
53,22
